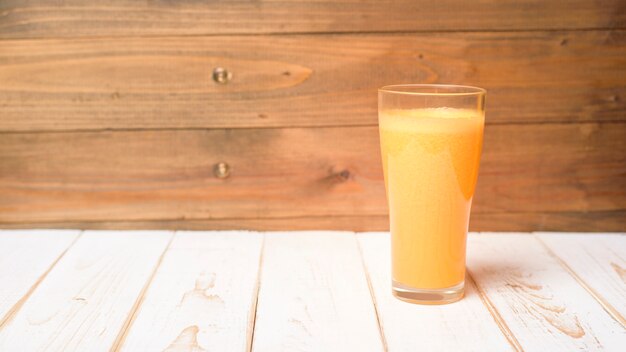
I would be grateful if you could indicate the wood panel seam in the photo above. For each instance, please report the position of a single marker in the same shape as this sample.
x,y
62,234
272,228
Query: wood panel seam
x,y
255,300
18,305
324,216
329,126
134,310
493,311
372,295
191,128
315,33
605,305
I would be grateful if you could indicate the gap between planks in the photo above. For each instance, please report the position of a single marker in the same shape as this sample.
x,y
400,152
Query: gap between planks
x,y
125,329
18,305
285,127
494,313
508,334
604,303
119,340
372,295
255,300
312,33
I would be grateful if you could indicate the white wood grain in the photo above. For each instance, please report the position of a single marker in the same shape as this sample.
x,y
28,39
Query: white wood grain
x,y
84,301
314,295
599,261
465,325
542,304
25,258
203,295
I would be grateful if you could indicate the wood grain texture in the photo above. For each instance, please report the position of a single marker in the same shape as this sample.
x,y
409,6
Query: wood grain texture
x,y
599,262
202,297
84,301
72,18
524,222
463,326
314,80
25,259
541,303
313,295
279,173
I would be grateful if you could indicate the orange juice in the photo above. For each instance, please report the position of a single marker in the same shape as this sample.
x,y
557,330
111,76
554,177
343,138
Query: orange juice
x,y
430,161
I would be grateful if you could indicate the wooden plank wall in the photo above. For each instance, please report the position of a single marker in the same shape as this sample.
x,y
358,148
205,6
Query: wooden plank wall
x,y
110,116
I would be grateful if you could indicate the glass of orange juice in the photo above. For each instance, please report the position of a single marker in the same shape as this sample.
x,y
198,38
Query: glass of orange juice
x,y
431,138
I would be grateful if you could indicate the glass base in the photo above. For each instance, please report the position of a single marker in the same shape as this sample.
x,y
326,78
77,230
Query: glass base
x,y
428,296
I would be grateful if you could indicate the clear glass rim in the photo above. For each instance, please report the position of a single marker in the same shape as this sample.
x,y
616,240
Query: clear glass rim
x,y
447,90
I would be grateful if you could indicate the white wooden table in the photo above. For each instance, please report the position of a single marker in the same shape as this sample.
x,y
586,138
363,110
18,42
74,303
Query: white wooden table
x,y
301,291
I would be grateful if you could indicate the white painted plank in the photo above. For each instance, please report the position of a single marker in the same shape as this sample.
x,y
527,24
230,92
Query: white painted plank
x,y
203,295
599,261
465,325
25,257
314,295
84,301
542,304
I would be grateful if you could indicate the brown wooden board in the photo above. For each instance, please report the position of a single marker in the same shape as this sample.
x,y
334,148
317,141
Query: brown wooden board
x,y
313,80
293,172
74,18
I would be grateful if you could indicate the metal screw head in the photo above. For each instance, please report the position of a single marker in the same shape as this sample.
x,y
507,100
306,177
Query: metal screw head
x,y
221,170
221,75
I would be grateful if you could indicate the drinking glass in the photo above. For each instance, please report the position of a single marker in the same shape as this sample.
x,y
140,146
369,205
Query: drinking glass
x,y
431,139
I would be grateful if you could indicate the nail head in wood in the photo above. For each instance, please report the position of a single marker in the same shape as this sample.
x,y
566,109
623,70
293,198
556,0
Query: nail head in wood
x,y
221,75
221,170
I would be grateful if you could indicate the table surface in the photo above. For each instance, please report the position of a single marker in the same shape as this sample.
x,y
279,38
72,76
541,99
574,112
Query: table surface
x,y
301,291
